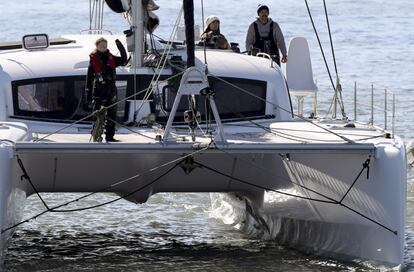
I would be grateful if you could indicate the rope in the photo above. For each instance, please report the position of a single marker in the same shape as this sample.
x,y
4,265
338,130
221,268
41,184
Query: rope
x,y
121,197
365,165
333,201
307,139
269,130
178,161
163,61
133,131
54,209
259,186
328,201
26,176
204,44
107,107
102,15
96,15
277,106
90,14
335,87
88,116
320,44
283,109
98,126
370,219
330,37
278,176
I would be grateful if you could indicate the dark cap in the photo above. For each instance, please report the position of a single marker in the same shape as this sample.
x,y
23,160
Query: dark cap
x,y
262,7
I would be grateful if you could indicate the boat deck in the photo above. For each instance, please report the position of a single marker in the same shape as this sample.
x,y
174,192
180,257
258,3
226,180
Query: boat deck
x,y
291,136
278,132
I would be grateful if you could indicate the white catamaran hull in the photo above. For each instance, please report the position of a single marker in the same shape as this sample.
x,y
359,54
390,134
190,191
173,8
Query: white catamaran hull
x,y
301,181
367,225
311,197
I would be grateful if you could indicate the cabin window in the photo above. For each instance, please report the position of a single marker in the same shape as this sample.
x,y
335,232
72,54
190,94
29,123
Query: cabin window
x,y
49,99
239,98
58,99
41,97
235,98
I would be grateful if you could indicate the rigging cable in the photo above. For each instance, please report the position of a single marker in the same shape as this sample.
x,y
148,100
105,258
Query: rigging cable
x,y
277,106
95,14
128,128
98,15
27,177
307,139
330,37
121,197
331,201
365,165
266,129
338,88
54,209
102,16
90,14
96,111
135,69
163,61
282,108
323,55
328,201
204,44
320,44
188,7
206,102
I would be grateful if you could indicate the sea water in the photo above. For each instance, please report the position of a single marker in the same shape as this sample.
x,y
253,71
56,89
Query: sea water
x,y
374,44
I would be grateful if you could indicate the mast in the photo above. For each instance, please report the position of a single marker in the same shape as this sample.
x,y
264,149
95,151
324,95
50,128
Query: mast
x,y
138,33
188,6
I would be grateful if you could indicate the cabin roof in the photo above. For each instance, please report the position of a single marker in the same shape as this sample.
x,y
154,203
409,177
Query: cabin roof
x,y
57,60
73,59
225,64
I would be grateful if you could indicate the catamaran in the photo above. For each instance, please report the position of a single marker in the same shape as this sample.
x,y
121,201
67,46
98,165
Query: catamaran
x,y
196,119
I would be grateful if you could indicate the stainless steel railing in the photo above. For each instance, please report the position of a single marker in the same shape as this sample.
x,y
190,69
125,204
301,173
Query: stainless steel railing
x,y
384,108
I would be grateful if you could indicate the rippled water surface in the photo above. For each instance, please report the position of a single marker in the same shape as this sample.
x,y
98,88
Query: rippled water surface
x,y
374,44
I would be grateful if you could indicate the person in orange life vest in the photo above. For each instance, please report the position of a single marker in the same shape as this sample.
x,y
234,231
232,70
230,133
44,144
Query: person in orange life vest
x,y
101,80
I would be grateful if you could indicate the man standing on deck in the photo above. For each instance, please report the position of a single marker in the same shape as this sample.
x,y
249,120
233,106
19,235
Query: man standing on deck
x,y
265,35
101,80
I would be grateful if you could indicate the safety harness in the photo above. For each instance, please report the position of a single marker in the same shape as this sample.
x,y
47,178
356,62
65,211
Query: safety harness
x,y
267,44
104,71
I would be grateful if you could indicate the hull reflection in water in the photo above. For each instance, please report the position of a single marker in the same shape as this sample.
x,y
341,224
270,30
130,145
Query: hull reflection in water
x,y
171,232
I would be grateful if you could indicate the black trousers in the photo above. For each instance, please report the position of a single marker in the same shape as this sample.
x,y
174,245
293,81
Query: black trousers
x,y
106,95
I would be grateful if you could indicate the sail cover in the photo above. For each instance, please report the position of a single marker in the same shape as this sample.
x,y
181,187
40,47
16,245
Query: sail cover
x,y
152,21
150,5
118,6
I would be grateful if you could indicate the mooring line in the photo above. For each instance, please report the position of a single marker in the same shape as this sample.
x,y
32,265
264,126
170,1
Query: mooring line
x,y
329,201
365,165
262,187
54,209
27,177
